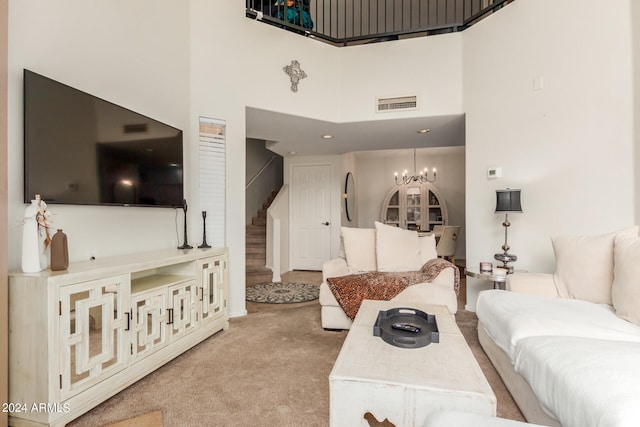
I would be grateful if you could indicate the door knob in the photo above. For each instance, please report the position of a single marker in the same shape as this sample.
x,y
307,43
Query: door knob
x,y
325,223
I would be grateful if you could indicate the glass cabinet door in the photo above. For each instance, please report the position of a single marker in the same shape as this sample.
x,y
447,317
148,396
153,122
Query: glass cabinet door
x,y
392,211
415,207
93,332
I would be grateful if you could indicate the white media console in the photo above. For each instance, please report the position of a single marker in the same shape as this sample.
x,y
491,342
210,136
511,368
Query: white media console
x,y
79,336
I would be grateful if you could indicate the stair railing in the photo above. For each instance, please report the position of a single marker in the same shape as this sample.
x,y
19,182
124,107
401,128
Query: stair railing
x,y
257,174
344,22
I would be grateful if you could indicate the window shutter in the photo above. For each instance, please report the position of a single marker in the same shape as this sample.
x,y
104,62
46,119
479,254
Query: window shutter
x,y
212,155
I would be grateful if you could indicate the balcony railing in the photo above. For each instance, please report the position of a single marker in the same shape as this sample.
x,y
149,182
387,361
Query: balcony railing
x,y
347,22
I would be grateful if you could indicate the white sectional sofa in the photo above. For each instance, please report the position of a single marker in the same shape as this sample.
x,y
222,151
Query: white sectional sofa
x,y
389,249
567,345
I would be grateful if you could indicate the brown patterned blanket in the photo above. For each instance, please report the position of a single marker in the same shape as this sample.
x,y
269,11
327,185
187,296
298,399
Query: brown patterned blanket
x,y
352,289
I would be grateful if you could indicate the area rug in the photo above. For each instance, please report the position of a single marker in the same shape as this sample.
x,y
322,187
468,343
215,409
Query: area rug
x,y
282,292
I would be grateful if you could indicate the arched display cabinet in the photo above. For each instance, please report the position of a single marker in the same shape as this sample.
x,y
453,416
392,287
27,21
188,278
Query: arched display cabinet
x,y
414,207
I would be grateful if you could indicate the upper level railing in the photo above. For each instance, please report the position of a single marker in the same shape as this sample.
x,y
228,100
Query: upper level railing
x,y
348,22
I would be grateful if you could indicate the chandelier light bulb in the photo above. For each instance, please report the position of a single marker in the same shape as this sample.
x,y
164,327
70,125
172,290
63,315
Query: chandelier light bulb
x,y
420,177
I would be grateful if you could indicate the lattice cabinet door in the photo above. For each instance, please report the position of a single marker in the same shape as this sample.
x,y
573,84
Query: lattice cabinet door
x,y
93,335
148,322
212,288
183,308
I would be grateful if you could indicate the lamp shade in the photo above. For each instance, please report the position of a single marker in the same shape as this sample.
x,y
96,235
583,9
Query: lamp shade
x,y
508,201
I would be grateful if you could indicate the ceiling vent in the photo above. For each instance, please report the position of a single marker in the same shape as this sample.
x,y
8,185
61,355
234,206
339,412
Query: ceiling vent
x,y
397,103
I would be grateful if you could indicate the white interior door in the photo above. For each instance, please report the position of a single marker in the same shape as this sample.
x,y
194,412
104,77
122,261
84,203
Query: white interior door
x,y
310,215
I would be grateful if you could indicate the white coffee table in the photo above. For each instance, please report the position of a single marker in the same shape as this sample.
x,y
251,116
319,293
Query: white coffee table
x,y
405,385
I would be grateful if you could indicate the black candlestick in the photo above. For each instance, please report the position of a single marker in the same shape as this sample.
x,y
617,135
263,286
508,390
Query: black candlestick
x,y
204,231
185,245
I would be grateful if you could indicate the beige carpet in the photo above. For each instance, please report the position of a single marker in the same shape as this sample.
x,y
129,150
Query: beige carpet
x,y
152,419
270,369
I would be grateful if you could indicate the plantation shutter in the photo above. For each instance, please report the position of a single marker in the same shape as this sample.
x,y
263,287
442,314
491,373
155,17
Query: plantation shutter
x,y
212,154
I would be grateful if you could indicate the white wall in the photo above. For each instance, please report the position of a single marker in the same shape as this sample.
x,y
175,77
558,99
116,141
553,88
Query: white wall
x,y
134,55
430,67
568,146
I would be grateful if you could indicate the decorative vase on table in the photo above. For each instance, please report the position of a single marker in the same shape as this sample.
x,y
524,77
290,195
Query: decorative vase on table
x,y
35,237
59,251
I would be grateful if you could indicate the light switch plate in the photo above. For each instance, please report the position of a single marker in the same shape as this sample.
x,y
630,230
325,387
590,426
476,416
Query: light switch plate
x,y
494,172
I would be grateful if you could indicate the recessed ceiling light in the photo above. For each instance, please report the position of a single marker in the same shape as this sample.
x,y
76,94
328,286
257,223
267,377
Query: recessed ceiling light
x,y
327,136
293,153
426,130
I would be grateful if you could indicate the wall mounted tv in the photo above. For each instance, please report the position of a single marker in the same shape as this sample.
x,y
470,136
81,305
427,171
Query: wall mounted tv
x,y
83,150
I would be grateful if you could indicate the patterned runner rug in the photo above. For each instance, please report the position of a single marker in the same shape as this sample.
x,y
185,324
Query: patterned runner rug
x,y
282,292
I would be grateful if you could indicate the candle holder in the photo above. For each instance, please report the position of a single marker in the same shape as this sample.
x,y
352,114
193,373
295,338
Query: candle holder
x,y
185,245
204,244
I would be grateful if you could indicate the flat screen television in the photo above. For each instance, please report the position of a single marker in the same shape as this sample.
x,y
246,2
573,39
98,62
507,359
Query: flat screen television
x,y
82,150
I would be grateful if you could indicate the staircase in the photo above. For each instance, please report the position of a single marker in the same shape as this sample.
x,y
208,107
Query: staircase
x,y
256,247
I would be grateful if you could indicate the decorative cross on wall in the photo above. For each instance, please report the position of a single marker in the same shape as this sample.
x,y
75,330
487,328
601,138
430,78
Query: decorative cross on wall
x,y
295,74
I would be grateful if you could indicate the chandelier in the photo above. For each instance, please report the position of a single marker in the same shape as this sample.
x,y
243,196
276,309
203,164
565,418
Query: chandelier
x,y
419,178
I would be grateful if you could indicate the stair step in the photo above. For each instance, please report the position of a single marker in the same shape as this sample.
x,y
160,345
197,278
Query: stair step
x,y
255,262
258,256
256,230
255,250
262,213
253,240
258,221
255,275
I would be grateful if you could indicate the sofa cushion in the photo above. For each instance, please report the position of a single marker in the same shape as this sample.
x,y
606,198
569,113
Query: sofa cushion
x,y
397,249
509,317
427,248
584,265
583,381
360,248
625,292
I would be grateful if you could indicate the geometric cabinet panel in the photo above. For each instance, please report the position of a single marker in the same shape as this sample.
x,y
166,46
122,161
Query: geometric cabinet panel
x,y
92,332
212,301
183,313
148,322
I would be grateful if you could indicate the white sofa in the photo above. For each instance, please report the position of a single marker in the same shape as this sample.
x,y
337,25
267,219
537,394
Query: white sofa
x,y
385,248
567,344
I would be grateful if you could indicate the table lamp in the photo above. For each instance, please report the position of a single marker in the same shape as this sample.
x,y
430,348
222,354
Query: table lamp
x,y
507,201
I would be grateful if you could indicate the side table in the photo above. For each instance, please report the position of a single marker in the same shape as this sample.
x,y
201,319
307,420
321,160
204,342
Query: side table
x,y
497,279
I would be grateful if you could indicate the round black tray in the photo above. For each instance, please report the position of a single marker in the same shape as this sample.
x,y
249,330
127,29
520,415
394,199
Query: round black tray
x,y
422,328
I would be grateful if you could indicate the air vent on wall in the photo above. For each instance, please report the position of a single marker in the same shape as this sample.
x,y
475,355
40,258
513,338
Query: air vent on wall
x,y
135,128
398,103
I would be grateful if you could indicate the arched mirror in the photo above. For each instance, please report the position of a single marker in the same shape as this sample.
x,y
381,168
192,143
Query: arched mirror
x,y
349,196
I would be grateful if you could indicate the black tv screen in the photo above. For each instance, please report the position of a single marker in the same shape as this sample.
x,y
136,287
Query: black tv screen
x,y
82,150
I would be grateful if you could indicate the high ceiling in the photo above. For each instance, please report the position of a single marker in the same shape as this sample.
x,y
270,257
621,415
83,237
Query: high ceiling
x,y
289,135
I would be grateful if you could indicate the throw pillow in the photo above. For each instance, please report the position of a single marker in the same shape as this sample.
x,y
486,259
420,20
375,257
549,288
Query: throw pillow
x,y
584,265
625,292
397,249
428,248
360,248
